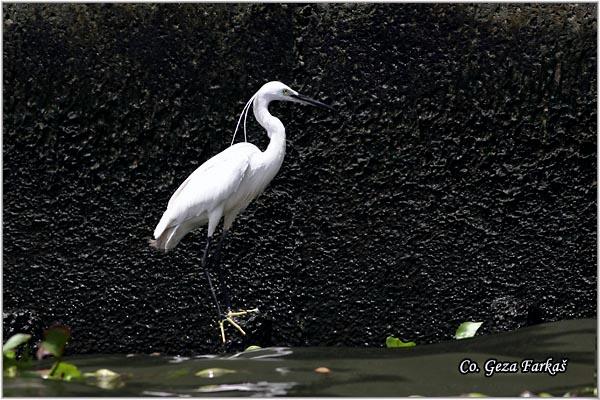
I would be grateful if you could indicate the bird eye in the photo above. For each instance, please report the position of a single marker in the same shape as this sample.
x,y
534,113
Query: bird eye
x,y
286,92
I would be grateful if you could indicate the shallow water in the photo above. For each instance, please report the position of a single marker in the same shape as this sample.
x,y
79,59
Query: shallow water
x,y
428,370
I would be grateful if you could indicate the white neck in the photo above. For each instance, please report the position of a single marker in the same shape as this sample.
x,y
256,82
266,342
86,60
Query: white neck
x,y
276,150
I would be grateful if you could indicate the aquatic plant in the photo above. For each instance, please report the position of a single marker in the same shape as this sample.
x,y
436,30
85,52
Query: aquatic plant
x,y
11,365
17,360
467,330
55,340
394,342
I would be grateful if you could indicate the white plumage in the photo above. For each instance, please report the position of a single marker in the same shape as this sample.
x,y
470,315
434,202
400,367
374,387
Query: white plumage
x,y
224,185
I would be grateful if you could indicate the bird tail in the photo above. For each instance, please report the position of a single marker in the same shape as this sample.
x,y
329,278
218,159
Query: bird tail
x,y
162,242
163,233
156,244
162,225
167,237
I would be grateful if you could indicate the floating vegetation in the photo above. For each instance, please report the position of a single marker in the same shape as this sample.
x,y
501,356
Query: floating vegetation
x,y
392,342
11,365
424,370
55,340
106,379
467,330
64,371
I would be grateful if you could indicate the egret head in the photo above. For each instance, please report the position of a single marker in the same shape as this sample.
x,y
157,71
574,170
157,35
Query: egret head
x,y
277,91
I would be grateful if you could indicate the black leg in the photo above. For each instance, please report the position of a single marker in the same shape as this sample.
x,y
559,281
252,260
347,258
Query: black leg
x,y
210,285
217,263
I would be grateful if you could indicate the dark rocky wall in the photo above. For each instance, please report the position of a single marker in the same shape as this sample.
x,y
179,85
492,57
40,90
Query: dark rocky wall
x,y
457,181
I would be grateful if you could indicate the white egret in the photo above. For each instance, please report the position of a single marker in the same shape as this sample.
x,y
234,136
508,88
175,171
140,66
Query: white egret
x,y
225,185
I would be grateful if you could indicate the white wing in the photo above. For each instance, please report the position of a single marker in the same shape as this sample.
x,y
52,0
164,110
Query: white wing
x,y
208,186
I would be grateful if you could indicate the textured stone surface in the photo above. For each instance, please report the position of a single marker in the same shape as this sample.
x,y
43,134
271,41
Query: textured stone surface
x,y
457,181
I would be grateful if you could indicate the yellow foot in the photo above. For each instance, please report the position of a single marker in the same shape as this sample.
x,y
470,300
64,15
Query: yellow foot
x,y
229,317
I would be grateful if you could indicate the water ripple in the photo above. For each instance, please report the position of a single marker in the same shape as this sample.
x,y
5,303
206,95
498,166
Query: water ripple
x,y
260,389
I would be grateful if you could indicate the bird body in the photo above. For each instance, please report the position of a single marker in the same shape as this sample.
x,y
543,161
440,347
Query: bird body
x,y
224,185
221,187
227,183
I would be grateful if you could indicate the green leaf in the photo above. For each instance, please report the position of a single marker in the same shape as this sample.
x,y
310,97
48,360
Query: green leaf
x,y
66,372
11,366
394,342
467,330
54,342
15,341
10,372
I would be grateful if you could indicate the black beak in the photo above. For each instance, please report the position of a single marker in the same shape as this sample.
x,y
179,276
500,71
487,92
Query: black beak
x,y
312,102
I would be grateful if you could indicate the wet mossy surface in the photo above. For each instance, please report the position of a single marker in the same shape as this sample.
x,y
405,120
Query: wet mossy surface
x,y
457,181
